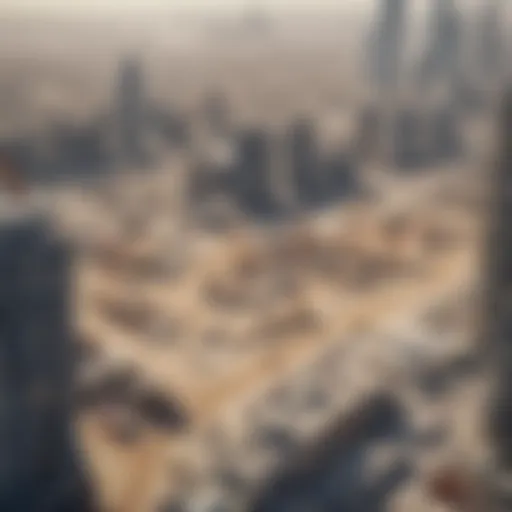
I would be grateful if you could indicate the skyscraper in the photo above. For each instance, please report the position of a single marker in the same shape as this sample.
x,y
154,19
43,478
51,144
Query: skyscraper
x,y
441,60
489,43
252,180
304,162
38,467
131,111
498,332
408,148
388,45
341,175
444,132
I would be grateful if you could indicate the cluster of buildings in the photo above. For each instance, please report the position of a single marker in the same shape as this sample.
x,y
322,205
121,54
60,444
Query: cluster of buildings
x,y
121,137
457,48
268,174
422,99
415,118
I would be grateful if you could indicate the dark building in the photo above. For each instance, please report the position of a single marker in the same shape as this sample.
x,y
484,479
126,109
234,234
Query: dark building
x,y
341,176
369,132
441,62
489,52
308,181
252,182
444,133
131,111
77,150
39,469
408,144
498,324
388,45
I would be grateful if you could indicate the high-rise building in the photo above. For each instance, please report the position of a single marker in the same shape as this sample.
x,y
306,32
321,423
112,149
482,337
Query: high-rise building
x,y
252,179
444,132
369,132
489,51
131,111
441,62
388,45
408,138
498,331
38,467
304,162
78,150
341,176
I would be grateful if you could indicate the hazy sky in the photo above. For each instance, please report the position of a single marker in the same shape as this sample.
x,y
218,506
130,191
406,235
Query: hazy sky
x,y
47,6
65,7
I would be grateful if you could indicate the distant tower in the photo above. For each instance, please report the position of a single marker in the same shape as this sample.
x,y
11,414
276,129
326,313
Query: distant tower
x,y
304,162
387,69
253,184
131,110
38,467
441,61
388,47
408,148
369,132
341,176
444,132
490,48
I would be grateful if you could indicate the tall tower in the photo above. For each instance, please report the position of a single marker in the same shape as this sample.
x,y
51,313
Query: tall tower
x,y
253,184
441,60
388,67
490,48
408,148
388,48
38,467
131,110
304,162
499,283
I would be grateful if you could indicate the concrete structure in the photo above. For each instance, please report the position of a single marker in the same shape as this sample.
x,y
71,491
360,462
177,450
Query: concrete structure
x,y
38,470
441,62
490,51
388,47
131,110
408,143
444,132
303,159
340,170
252,180
77,150
499,276
388,69
369,132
